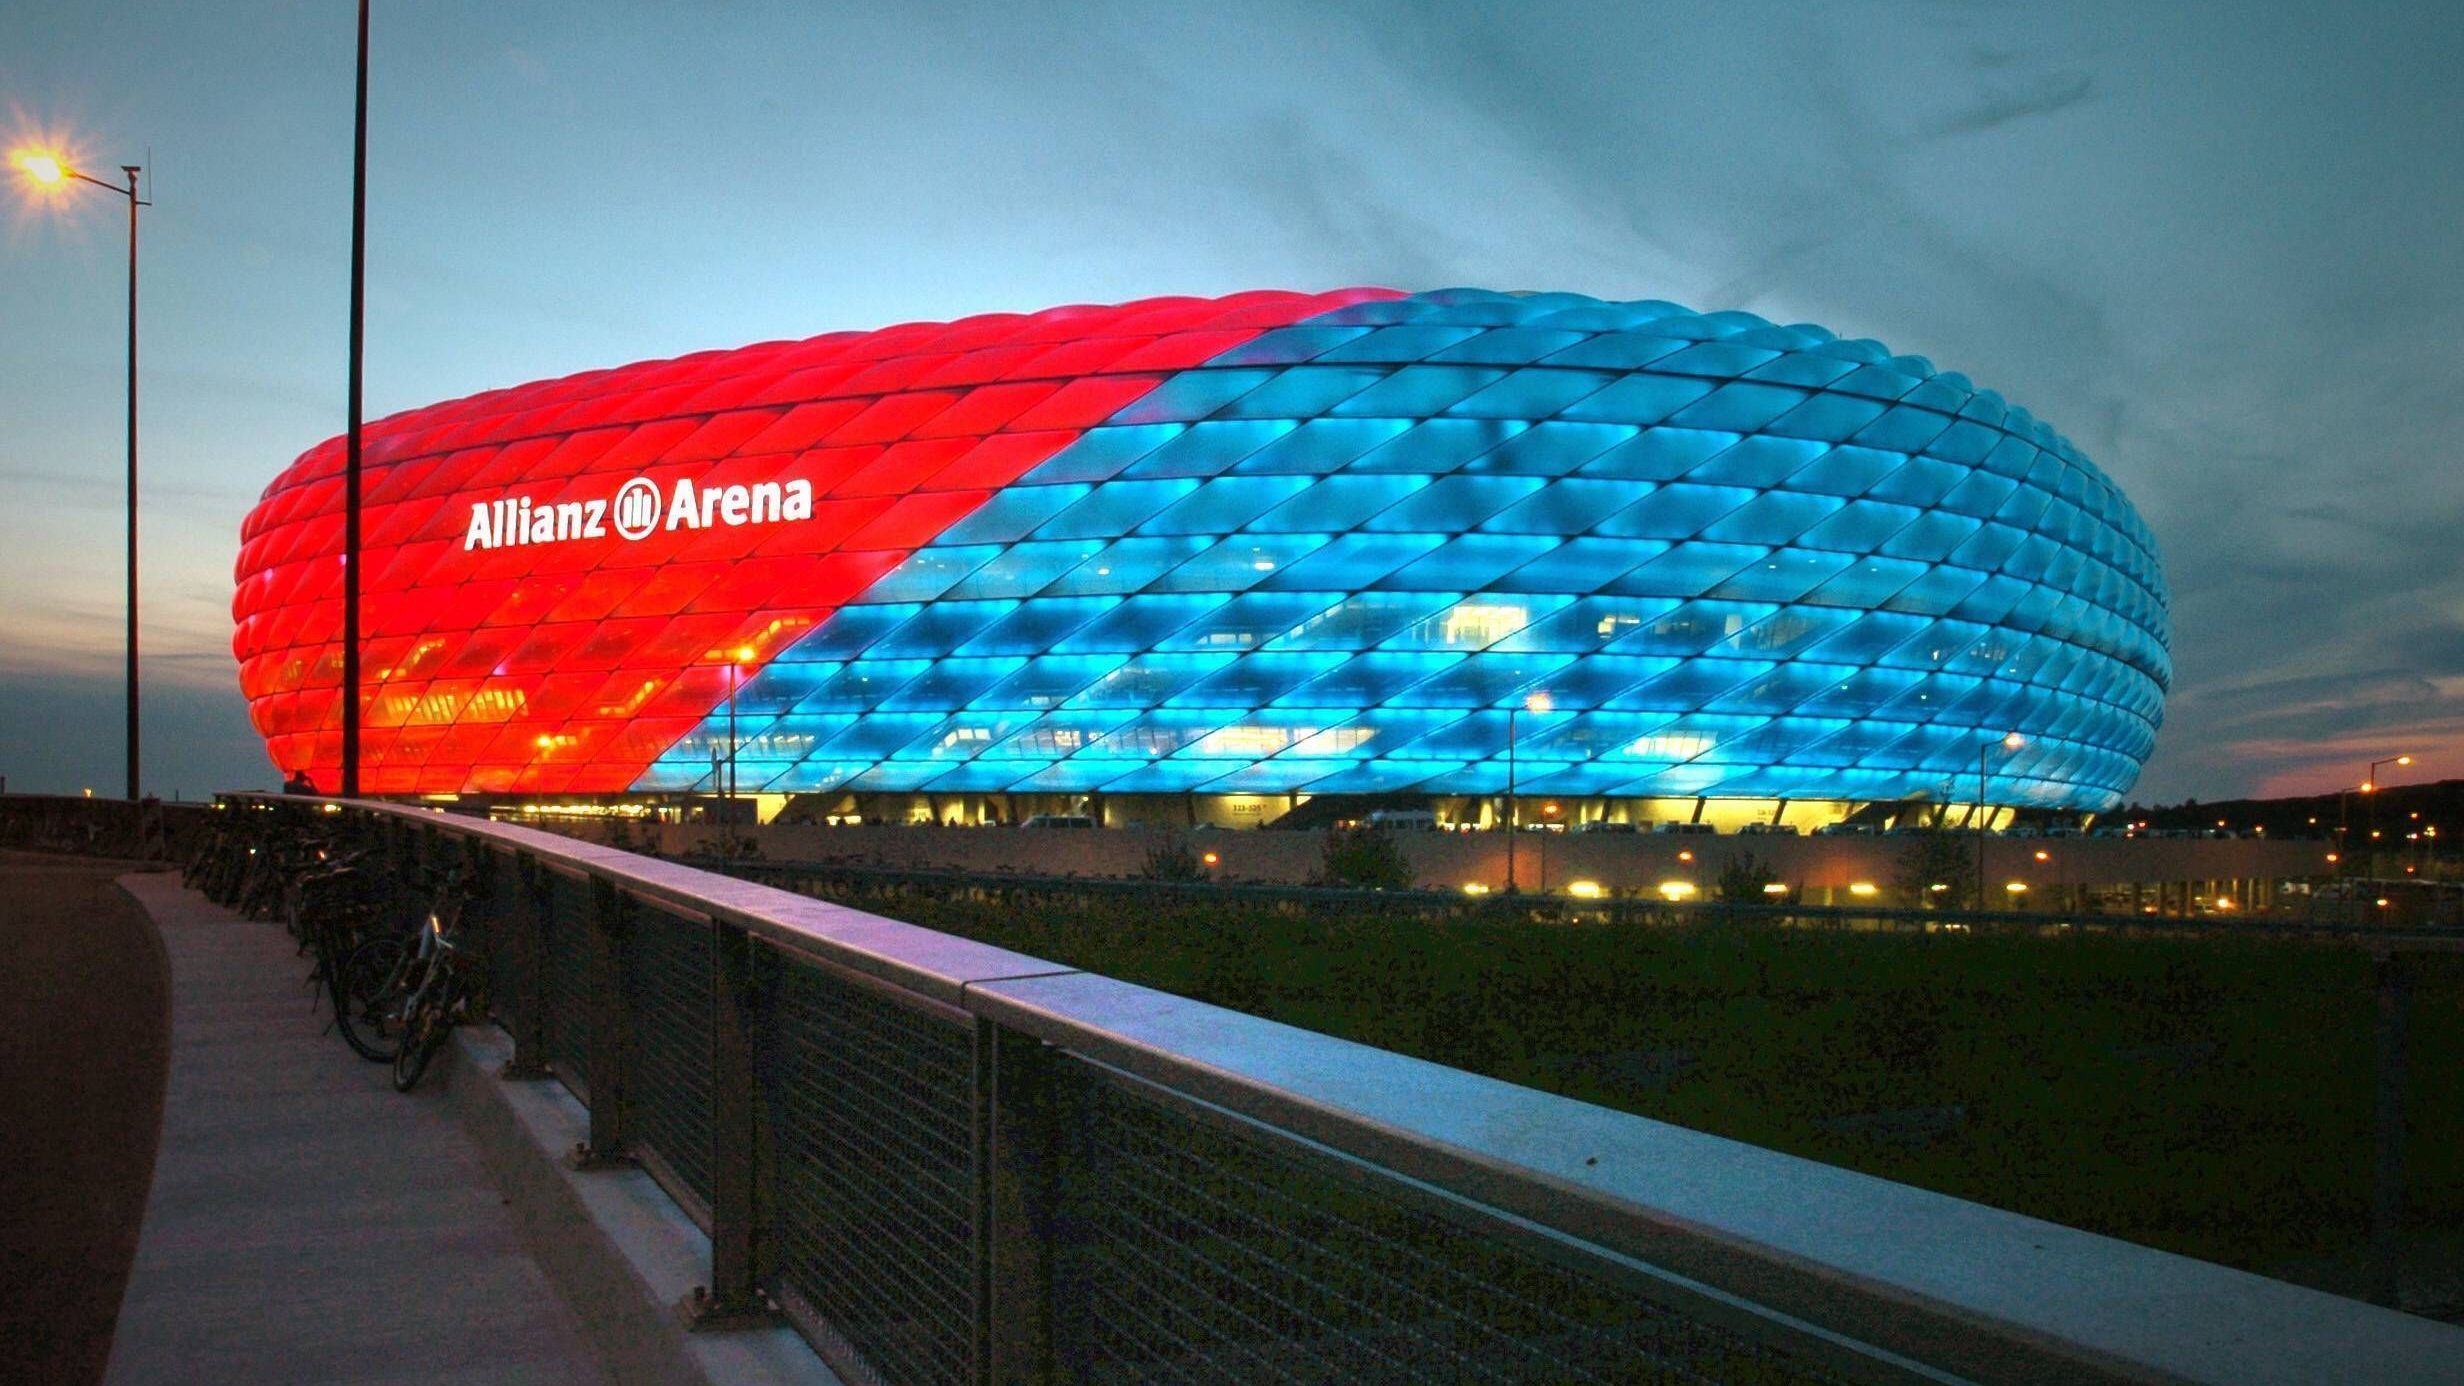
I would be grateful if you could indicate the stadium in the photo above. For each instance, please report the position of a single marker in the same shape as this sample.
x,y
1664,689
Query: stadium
x,y
1215,560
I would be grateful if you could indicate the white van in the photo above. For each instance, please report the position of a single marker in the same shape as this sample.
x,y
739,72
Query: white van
x,y
1408,820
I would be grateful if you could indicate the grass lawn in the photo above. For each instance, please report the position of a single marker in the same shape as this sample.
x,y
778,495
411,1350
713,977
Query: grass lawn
x,y
2208,1096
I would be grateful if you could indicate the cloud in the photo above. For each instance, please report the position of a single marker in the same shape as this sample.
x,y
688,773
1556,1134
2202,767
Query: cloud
x,y
2040,95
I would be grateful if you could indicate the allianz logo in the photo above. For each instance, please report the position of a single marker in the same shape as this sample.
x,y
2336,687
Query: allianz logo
x,y
636,511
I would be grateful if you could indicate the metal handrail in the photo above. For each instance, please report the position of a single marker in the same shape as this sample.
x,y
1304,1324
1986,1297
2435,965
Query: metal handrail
x,y
1857,1277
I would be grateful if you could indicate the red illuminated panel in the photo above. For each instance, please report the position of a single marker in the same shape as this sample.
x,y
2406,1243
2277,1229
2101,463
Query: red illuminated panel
x,y
546,647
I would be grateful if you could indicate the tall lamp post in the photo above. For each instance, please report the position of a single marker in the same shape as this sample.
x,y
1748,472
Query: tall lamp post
x,y
2370,787
1537,702
51,172
737,659
351,448
2011,742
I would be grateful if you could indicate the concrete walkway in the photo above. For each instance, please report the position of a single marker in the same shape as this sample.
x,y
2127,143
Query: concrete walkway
x,y
309,1224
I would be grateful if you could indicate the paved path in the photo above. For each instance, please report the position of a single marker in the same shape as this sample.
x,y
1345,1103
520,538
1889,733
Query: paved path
x,y
307,1222
85,1035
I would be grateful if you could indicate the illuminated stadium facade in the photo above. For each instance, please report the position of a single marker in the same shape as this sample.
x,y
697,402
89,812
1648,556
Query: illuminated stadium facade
x,y
1209,558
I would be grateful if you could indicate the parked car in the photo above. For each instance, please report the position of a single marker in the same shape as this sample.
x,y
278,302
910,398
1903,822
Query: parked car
x,y
1770,829
1689,829
1605,825
1058,820
1412,820
1845,830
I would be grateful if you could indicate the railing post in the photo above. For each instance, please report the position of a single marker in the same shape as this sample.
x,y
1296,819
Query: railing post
x,y
739,1139
1018,1145
611,1031
530,1021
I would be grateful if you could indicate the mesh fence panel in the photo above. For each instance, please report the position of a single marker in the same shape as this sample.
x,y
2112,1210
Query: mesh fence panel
x,y
875,1162
667,985
501,919
1192,1253
567,939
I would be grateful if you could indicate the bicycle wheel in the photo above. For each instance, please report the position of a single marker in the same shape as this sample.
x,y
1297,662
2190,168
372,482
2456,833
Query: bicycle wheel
x,y
423,1033
368,997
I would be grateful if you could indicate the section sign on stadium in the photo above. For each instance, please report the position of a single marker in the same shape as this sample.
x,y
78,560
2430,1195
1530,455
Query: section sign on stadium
x,y
1275,543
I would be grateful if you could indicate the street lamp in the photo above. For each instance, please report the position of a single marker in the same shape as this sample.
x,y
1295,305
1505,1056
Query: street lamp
x,y
737,659
352,453
51,173
2370,786
1537,702
2011,742
735,683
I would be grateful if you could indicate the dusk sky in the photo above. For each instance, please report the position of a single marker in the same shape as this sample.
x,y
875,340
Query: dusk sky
x,y
2219,249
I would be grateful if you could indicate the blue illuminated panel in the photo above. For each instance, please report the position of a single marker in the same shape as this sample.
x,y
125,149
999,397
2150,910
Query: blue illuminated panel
x,y
1739,559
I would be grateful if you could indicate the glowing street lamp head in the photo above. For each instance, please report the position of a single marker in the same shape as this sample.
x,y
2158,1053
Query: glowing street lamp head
x,y
2404,760
1538,702
744,654
2013,742
41,166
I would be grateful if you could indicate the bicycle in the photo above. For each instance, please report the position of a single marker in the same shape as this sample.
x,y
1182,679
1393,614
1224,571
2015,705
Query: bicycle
x,y
443,994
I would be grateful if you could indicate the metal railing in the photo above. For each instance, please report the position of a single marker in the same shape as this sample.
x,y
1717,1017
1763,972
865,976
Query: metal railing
x,y
151,830
948,1162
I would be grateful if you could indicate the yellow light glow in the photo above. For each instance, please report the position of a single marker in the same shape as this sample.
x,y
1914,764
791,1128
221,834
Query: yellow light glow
x,y
1936,888
1677,890
2044,856
1210,859
1474,888
40,166
744,654
1685,856
2382,902
2016,887
1583,890
2332,856
2367,787
2404,760
1774,888
2013,742
1860,888
1478,624
2224,904
1538,702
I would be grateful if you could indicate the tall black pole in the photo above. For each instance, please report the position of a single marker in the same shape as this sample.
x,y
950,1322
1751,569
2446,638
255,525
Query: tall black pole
x,y
131,171
350,463
1980,826
727,804
1514,809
